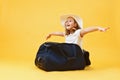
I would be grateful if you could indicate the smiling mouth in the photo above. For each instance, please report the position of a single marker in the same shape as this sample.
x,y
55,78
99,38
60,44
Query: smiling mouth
x,y
67,25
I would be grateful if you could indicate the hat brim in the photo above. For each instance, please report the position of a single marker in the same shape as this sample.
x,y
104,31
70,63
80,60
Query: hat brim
x,y
77,19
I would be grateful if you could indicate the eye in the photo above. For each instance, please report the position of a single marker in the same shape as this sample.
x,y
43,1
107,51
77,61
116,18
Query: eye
x,y
70,21
66,21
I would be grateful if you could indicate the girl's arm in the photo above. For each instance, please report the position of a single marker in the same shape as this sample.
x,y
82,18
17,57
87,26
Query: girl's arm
x,y
92,29
55,34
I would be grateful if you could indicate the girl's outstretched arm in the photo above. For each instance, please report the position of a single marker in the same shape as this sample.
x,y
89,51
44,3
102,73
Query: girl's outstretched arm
x,y
55,34
92,29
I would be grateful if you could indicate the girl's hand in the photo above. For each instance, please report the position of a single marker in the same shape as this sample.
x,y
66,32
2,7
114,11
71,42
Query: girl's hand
x,y
48,36
103,29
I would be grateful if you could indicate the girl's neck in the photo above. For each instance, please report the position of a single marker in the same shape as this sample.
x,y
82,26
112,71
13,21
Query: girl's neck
x,y
67,32
72,30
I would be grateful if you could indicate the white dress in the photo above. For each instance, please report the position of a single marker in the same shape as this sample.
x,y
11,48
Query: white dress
x,y
74,38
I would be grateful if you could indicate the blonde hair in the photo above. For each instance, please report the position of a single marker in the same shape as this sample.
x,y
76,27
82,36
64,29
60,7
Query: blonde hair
x,y
67,32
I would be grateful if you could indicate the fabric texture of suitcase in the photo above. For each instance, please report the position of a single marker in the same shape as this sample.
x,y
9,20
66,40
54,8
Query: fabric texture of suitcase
x,y
53,56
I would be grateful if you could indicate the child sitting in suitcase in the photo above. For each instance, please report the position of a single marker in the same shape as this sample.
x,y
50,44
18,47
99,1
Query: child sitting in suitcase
x,y
74,32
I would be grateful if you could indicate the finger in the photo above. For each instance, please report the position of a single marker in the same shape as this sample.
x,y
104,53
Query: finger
x,y
46,37
107,28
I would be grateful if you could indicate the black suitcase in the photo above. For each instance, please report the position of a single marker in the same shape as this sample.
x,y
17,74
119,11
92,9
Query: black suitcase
x,y
53,56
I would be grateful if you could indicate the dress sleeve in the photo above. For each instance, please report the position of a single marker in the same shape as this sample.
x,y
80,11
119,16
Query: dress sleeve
x,y
78,32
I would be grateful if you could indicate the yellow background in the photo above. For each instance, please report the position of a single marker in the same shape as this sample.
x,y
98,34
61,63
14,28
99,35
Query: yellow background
x,y
24,25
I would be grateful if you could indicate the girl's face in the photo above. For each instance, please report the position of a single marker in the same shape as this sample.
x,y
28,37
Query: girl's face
x,y
70,23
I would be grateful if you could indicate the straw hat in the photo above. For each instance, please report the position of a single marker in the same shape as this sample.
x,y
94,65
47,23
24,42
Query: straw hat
x,y
77,19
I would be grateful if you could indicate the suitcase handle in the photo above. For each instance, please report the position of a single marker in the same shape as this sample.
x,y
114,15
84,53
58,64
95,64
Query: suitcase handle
x,y
57,45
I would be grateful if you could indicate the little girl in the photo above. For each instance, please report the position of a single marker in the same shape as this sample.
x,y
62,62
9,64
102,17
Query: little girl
x,y
74,31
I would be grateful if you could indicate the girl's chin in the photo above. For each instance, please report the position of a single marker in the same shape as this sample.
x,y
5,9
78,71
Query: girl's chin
x,y
68,28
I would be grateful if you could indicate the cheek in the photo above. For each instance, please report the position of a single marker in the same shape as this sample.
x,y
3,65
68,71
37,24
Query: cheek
x,y
72,24
75,25
65,23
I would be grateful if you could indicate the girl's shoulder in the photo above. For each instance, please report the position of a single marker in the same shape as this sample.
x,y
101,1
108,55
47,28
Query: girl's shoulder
x,y
78,30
